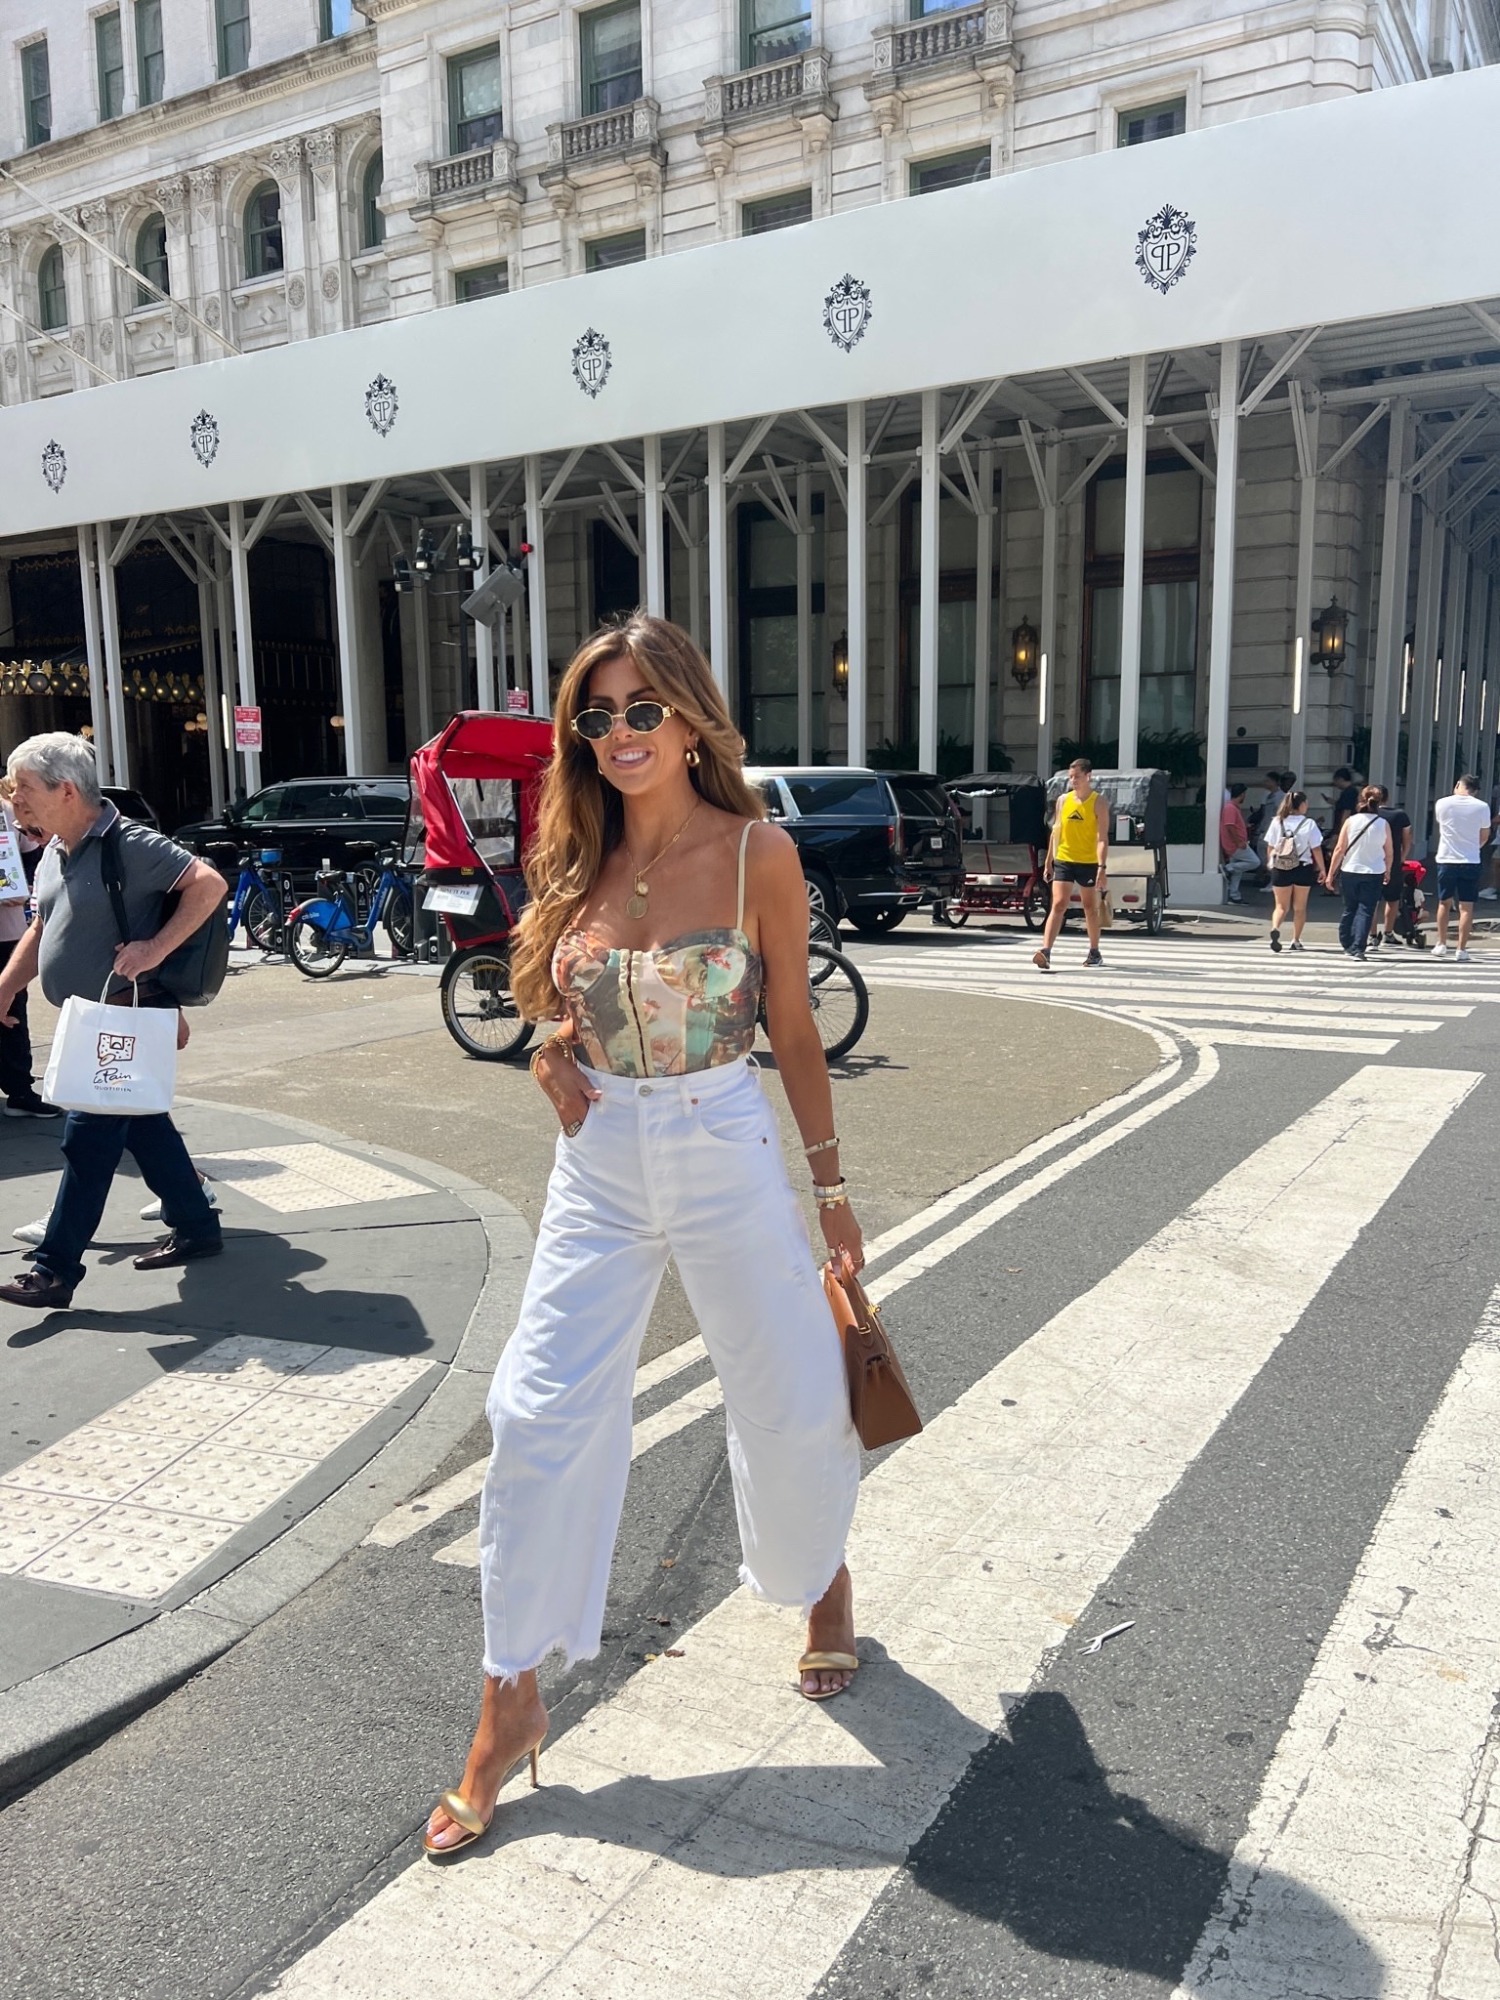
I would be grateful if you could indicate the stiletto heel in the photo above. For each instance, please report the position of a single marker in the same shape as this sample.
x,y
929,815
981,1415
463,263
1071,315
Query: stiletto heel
x,y
474,1823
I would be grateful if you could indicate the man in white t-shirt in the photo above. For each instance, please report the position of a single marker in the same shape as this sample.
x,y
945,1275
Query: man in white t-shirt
x,y
1464,826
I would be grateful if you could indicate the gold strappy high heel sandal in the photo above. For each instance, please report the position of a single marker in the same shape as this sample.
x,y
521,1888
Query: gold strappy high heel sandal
x,y
473,1822
825,1663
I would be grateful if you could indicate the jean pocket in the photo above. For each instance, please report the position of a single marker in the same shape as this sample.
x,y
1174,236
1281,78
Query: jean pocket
x,y
734,1124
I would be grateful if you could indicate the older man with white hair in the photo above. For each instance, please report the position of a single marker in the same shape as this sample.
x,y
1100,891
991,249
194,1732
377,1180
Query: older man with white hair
x,y
74,943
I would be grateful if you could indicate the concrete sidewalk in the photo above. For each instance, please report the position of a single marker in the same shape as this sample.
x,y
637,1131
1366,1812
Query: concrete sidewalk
x,y
184,1450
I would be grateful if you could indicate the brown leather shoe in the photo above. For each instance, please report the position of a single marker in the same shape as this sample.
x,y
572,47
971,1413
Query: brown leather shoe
x,y
39,1289
176,1249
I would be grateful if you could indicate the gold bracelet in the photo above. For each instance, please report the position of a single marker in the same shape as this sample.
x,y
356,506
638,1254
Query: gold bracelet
x,y
556,1040
832,1200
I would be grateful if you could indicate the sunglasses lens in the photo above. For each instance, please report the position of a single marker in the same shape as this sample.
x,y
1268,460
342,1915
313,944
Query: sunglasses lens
x,y
594,723
644,716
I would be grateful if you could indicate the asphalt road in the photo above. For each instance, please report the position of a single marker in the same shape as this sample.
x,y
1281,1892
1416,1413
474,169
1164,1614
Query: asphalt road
x,y
212,1844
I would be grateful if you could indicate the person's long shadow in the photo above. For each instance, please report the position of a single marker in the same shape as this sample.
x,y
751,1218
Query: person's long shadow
x,y
1033,1840
254,1288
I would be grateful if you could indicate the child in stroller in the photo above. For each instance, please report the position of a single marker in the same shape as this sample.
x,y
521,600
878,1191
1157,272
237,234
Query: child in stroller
x,y
1407,928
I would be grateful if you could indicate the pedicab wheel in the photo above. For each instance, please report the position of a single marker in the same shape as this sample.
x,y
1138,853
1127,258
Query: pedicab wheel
x,y
820,930
314,951
1037,902
478,1010
840,1000
1156,907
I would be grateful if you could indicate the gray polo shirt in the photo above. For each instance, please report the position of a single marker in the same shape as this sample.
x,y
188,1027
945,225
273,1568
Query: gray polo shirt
x,y
79,934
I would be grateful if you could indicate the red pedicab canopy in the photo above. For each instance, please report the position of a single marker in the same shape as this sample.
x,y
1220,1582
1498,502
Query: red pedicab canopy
x,y
474,791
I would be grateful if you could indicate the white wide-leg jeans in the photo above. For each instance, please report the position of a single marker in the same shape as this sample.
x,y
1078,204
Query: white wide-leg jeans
x,y
689,1166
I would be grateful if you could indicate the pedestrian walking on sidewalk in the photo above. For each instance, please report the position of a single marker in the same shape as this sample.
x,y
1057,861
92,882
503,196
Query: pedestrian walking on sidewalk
x,y
1362,857
662,909
1294,853
1077,853
1400,825
1464,830
74,945
1238,858
22,1098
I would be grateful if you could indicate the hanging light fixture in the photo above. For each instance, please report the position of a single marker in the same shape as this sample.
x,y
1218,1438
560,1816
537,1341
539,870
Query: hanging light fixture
x,y
424,562
401,577
38,679
1330,636
335,722
1023,643
841,663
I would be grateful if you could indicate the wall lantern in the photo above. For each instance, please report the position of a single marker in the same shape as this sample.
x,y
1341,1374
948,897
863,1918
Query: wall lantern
x,y
401,577
1330,637
1023,642
335,722
841,663
424,562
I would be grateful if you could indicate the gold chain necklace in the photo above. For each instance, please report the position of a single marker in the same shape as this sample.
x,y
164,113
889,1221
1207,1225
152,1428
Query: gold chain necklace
x,y
635,907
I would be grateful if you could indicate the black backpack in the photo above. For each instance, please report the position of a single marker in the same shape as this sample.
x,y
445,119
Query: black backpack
x,y
193,973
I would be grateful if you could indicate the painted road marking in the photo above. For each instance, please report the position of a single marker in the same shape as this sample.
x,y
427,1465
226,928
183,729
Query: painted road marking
x,y
1370,1855
292,1179
413,1515
132,1502
705,1827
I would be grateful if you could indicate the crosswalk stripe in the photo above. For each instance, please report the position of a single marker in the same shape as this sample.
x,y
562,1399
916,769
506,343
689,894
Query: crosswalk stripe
x,y
1357,1856
704,1817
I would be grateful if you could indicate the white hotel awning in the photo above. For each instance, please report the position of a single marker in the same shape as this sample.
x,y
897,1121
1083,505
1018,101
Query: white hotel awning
x,y
1350,211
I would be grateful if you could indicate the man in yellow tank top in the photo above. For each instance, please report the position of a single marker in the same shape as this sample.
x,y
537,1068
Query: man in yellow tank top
x,y
1076,856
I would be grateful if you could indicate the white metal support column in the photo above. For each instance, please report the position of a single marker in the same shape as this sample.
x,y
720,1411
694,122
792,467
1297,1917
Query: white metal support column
x,y
346,619
1419,720
927,601
213,707
536,588
718,561
421,625
695,567
1133,595
1490,716
984,605
1221,614
1474,652
1455,620
1390,637
485,695
88,577
114,676
244,650
856,487
1047,647
224,621
653,542
804,618
1307,550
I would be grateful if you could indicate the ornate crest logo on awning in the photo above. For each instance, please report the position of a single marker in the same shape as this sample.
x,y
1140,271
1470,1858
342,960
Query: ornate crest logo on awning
x,y
54,464
592,362
846,312
204,435
382,405
1165,248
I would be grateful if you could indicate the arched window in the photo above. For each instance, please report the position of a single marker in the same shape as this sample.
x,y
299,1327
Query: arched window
x,y
52,290
372,222
263,254
151,259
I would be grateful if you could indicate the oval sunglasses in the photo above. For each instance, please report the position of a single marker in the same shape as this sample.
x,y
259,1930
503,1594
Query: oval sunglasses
x,y
641,718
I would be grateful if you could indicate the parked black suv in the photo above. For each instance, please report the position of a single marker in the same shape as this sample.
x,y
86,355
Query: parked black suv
x,y
874,844
309,819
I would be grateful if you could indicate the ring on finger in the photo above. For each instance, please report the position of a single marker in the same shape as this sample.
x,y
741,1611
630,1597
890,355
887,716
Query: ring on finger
x,y
574,1129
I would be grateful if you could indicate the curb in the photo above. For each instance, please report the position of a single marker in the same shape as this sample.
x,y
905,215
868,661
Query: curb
x,y
73,1705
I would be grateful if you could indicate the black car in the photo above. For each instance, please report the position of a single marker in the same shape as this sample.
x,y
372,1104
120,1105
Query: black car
x,y
130,804
309,820
874,844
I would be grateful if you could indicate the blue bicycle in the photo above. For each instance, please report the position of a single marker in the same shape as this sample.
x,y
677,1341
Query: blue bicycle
x,y
341,918
259,900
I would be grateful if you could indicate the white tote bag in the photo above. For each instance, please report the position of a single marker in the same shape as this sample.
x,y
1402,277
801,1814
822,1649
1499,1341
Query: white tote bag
x,y
119,1060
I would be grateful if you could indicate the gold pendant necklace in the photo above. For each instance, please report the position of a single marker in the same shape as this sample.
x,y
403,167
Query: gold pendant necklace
x,y
635,905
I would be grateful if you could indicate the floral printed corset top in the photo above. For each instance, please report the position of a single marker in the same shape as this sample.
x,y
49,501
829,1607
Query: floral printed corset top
x,y
686,1005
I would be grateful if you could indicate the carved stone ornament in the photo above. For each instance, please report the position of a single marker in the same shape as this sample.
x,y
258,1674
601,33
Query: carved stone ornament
x,y
1165,248
847,312
54,464
93,215
211,312
592,361
204,181
179,322
106,338
171,197
11,364
296,293
285,158
203,435
321,147
382,405
330,284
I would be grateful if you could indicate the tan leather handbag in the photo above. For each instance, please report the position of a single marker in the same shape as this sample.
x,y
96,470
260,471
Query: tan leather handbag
x,y
879,1400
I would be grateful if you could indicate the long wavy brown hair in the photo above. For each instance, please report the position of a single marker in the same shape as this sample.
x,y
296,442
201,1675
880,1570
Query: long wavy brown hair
x,y
581,818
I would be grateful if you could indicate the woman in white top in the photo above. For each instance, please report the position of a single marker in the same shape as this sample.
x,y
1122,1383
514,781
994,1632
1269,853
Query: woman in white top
x,y
1363,856
1294,855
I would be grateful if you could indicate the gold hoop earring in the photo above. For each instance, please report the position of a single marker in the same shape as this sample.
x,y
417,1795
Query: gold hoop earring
x,y
693,759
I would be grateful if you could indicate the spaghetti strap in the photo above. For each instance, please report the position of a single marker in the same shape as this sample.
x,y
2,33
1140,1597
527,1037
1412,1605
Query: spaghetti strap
x,y
739,915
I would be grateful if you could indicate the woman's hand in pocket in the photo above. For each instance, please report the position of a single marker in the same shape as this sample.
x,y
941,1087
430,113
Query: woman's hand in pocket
x,y
566,1088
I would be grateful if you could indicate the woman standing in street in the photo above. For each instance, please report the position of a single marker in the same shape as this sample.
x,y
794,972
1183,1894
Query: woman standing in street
x,y
662,906
1294,854
1363,856
1077,852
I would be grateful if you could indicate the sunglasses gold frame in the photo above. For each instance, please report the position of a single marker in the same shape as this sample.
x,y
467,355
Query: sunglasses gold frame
x,y
623,714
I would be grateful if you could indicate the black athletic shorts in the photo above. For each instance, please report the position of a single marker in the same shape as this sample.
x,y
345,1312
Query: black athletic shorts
x,y
1084,873
1302,876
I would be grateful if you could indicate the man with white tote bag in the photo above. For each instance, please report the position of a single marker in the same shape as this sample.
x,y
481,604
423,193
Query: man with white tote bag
x,y
127,1052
